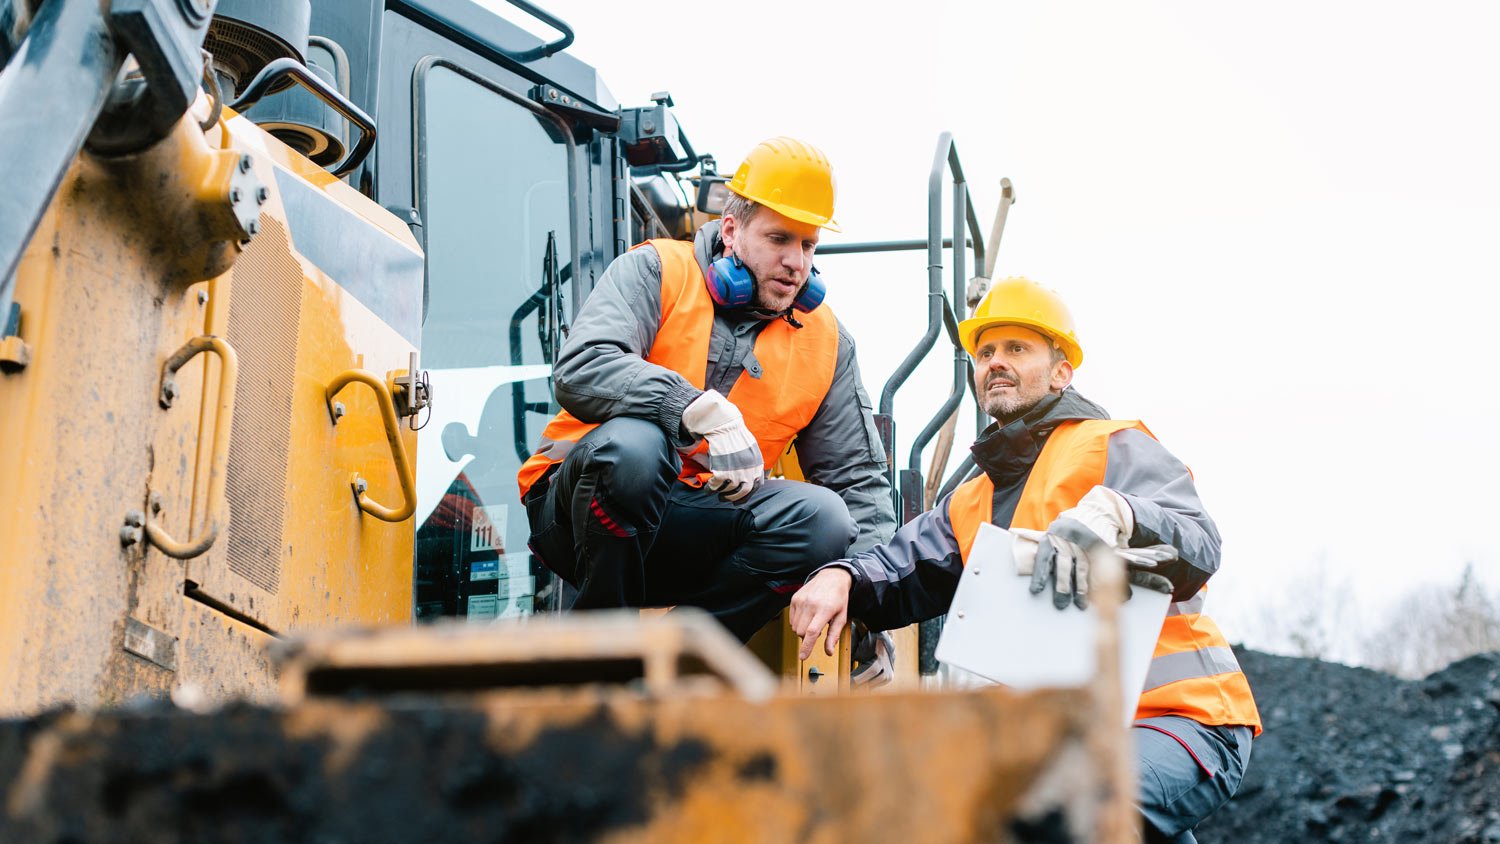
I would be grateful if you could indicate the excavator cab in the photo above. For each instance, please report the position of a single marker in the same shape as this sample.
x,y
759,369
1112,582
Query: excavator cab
x,y
522,178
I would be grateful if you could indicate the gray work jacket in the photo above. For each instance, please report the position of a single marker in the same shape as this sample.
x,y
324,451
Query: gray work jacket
x,y
913,577
602,372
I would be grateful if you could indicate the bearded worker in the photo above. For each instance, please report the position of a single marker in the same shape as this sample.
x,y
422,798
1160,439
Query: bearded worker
x,y
690,370
1074,486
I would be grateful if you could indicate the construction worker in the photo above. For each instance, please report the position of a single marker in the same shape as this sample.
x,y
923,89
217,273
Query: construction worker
x,y
1072,485
690,370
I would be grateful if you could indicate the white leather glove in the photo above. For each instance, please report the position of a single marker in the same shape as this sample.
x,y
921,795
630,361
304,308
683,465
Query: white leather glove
x,y
734,457
1101,523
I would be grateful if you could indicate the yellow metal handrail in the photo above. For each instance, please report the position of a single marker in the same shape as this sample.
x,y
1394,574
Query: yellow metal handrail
x,y
155,533
392,436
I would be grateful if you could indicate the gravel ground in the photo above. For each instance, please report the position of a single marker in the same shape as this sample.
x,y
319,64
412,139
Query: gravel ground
x,y
1350,754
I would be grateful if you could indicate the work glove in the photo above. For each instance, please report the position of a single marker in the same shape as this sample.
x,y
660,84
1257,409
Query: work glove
x,y
1101,523
734,457
1140,563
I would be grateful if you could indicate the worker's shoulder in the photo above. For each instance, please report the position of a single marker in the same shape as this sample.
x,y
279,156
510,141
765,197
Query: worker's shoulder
x,y
1135,444
635,267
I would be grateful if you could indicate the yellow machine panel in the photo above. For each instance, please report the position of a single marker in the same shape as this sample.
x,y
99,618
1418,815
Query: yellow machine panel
x,y
172,410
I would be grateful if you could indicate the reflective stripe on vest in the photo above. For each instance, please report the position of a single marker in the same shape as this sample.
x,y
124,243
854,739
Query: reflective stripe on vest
x,y
1193,672
795,369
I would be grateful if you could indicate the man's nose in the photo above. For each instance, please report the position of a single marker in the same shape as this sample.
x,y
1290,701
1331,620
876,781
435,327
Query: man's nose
x,y
793,259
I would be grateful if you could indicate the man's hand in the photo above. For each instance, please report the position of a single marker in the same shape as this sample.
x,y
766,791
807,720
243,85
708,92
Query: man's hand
x,y
821,602
1141,565
734,456
1101,523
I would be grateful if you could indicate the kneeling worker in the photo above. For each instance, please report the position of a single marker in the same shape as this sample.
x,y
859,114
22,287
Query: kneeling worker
x,y
1059,471
687,374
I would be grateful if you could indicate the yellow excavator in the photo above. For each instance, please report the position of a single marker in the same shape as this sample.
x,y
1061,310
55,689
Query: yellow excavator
x,y
281,283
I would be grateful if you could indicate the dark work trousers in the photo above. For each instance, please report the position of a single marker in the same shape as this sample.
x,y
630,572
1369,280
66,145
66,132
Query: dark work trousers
x,y
613,520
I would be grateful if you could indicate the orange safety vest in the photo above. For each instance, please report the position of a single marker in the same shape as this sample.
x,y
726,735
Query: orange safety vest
x,y
1193,672
796,369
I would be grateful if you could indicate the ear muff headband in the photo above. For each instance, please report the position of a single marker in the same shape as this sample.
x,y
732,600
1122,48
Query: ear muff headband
x,y
731,285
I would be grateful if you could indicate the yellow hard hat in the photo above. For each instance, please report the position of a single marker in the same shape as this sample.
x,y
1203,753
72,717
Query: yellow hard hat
x,y
789,177
1023,302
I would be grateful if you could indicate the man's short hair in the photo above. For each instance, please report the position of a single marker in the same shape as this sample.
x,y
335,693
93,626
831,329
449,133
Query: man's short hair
x,y
740,208
1058,355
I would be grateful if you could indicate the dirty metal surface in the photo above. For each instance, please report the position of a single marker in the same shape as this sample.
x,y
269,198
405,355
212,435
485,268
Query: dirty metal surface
x,y
105,298
130,262
586,764
663,654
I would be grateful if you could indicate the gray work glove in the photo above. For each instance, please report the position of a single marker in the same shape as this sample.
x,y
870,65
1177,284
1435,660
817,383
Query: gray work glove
x,y
1140,565
734,457
1101,523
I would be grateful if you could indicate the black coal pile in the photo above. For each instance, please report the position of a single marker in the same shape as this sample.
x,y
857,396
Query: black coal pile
x,y
1351,754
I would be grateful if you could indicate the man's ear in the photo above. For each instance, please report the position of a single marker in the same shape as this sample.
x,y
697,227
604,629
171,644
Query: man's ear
x,y
1062,376
729,227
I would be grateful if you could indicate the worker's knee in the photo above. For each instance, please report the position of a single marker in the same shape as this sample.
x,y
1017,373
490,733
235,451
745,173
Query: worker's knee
x,y
813,519
631,457
1178,788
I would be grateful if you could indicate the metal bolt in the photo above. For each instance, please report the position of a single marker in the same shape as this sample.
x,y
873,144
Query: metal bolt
x,y
252,228
960,613
360,485
155,502
262,194
551,93
338,411
648,127
168,392
813,674
245,163
235,195
202,297
130,532
567,100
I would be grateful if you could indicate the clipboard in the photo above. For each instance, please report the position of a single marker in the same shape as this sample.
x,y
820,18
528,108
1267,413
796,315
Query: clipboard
x,y
1000,631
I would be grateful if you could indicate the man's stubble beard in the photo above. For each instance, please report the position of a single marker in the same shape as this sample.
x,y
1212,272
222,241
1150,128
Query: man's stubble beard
x,y
1007,409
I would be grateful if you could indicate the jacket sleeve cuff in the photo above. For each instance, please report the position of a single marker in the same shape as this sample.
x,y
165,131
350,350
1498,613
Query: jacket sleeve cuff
x,y
839,564
669,414
1153,527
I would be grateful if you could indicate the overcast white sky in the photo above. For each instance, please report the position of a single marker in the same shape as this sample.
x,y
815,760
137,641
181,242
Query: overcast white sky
x,y
1275,224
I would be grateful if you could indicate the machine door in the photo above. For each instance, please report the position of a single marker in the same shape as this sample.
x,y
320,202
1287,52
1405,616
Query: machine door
x,y
493,178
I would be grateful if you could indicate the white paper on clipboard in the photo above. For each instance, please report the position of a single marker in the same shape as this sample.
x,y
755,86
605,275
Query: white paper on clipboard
x,y
997,629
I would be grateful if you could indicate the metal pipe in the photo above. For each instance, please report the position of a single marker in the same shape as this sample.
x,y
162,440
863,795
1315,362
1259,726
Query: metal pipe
x,y
51,93
965,470
955,395
934,277
549,47
883,246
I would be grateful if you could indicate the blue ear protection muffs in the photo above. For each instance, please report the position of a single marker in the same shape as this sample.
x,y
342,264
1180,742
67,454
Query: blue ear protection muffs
x,y
732,286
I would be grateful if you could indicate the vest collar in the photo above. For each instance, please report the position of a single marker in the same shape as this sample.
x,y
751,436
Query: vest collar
x,y
1007,453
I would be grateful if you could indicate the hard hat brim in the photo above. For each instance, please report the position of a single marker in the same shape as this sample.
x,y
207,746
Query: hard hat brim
x,y
970,329
790,213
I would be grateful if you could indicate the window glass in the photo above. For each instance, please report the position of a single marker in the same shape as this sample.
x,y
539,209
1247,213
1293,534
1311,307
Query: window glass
x,y
497,233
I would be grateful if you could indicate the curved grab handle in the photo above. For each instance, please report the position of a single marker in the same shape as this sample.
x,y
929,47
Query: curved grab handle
x,y
392,436
155,533
273,72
